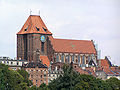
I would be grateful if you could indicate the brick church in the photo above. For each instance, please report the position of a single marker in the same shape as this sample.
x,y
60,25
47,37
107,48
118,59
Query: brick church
x,y
35,42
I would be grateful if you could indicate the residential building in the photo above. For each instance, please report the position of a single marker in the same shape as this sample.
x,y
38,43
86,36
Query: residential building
x,y
13,64
38,73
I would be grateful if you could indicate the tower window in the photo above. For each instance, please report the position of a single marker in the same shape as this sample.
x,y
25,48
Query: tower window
x,y
37,28
42,46
44,29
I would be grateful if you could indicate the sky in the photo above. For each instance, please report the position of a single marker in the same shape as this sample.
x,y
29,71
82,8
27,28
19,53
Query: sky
x,y
97,20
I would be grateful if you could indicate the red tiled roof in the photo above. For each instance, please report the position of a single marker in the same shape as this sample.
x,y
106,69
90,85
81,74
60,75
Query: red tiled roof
x,y
104,63
45,60
32,22
81,71
73,46
108,71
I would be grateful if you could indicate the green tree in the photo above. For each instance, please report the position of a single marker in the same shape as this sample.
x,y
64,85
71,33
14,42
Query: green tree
x,y
114,83
33,88
43,86
71,80
11,80
25,76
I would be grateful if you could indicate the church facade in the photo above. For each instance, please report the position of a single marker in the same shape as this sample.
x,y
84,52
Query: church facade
x,y
35,42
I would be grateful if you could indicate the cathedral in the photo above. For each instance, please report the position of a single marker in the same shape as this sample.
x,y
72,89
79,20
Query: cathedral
x,y
36,43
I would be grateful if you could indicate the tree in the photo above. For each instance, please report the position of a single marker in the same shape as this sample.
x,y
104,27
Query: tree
x,y
114,83
11,80
71,80
43,86
25,76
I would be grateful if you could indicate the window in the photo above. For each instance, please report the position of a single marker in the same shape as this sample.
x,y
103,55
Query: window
x,y
68,58
57,58
26,29
31,76
72,58
17,63
42,46
36,70
41,76
7,62
44,29
62,58
83,59
88,58
37,28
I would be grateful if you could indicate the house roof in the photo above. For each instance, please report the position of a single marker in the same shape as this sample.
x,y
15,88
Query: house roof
x,y
34,65
45,60
73,46
34,24
104,63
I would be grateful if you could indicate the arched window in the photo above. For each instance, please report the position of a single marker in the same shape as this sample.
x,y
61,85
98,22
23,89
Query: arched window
x,y
73,58
68,58
83,59
57,58
62,58
88,58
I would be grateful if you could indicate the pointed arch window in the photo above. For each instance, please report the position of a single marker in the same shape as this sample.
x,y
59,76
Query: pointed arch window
x,y
73,58
68,58
83,59
62,58
57,58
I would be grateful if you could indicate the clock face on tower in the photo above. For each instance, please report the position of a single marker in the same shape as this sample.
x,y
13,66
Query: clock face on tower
x,y
43,38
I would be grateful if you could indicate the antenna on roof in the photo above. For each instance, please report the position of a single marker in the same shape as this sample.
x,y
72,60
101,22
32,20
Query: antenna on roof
x,y
39,12
30,11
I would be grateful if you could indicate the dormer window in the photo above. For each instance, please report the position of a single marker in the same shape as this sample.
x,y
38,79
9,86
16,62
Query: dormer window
x,y
44,29
26,29
37,28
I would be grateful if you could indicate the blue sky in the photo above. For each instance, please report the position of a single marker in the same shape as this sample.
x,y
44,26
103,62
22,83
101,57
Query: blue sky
x,y
72,19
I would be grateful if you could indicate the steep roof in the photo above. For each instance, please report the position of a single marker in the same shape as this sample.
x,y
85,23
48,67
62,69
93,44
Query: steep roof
x,y
34,24
73,46
45,60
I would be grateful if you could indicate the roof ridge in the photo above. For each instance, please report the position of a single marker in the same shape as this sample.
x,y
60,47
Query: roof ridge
x,y
70,39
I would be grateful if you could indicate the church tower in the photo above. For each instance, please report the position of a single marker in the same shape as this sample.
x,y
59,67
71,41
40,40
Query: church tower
x,y
32,38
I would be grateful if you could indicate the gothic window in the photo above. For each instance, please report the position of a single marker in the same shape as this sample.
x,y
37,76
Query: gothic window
x,y
68,58
42,46
88,58
83,59
62,58
57,59
72,58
